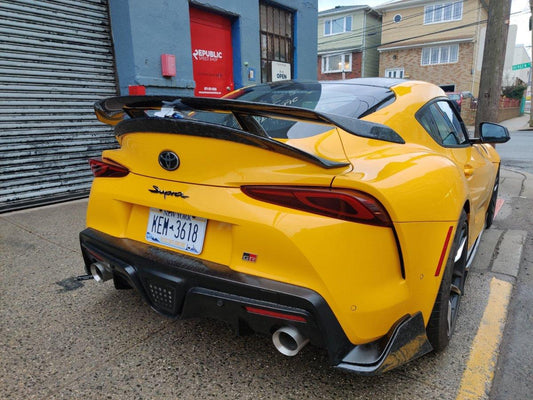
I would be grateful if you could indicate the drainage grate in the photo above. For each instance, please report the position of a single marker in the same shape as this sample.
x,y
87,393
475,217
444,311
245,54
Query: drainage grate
x,y
162,296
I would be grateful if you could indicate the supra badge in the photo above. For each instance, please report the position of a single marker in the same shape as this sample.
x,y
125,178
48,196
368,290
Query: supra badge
x,y
169,160
166,193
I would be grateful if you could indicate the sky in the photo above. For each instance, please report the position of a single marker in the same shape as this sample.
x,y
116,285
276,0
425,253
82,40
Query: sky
x,y
520,12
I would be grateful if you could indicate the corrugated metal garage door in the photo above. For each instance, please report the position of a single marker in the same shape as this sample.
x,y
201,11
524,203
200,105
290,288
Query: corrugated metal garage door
x,y
56,60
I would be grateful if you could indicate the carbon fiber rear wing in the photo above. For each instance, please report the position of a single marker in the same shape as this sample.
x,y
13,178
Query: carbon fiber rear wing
x,y
112,110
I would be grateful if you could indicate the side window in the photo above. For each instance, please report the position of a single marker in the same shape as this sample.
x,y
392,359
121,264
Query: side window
x,y
441,122
454,120
428,122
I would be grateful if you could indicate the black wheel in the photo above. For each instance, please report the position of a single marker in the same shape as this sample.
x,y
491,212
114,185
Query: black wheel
x,y
492,205
444,315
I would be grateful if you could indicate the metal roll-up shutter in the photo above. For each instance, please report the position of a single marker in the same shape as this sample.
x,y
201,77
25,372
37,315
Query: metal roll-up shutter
x,y
56,60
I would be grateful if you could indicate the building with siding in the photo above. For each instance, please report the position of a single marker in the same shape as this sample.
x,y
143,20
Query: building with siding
x,y
60,56
439,41
348,38
516,55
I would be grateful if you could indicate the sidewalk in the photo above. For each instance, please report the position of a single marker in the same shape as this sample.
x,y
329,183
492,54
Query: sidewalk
x,y
514,124
63,338
518,124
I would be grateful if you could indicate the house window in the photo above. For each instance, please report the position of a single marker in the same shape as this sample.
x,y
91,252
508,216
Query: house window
x,y
337,63
440,55
337,25
443,12
276,28
394,73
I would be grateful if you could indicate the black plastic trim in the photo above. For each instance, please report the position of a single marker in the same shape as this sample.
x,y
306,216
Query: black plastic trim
x,y
197,288
197,283
406,341
113,109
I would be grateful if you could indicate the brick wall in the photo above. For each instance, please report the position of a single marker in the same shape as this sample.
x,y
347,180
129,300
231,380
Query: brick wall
x,y
458,74
354,73
468,113
507,113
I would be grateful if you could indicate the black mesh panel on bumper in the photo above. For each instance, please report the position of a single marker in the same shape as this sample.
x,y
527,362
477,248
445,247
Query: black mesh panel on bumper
x,y
178,285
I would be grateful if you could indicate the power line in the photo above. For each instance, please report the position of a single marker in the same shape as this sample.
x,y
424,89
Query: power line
x,y
359,33
481,22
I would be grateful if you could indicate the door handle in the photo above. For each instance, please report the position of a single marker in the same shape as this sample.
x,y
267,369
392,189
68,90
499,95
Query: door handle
x,y
468,170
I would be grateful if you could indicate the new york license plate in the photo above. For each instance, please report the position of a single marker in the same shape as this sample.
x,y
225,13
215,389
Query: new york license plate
x,y
178,231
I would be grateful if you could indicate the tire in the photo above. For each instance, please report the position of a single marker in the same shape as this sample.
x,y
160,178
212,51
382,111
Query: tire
x,y
444,315
489,219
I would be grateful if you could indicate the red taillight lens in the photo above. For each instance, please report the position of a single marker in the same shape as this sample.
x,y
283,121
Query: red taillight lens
x,y
107,169
348,205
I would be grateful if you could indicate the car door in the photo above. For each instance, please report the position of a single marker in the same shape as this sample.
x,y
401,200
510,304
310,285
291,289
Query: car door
x,y
447,128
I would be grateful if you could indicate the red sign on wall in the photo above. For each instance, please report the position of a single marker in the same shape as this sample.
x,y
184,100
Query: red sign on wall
x,y
212,53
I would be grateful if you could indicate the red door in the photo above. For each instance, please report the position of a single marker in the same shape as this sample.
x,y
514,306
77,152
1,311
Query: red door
x,y
212,53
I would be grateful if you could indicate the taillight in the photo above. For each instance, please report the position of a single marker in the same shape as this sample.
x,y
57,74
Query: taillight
x,y
348,205
107,169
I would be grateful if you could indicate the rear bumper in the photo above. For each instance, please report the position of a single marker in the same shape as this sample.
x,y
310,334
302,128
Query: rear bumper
x,y
178,285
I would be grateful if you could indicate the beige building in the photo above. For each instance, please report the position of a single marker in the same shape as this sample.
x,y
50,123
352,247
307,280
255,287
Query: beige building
x,y
436,41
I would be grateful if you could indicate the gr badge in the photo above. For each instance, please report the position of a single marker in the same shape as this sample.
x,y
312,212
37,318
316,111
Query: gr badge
x,y
249,257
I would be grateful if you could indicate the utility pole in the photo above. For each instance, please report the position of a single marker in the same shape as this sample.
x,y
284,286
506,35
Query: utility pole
x,y
493,60
531,70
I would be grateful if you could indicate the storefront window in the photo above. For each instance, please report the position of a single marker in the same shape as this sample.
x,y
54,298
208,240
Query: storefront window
x,y
276,41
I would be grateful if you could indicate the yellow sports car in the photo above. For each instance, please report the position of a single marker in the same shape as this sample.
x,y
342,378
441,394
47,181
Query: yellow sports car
x,y
342,214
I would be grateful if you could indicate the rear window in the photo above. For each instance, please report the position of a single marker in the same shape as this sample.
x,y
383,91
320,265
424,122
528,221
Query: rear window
x,y
348,100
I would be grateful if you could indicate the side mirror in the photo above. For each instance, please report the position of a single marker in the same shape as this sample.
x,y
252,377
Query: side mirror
x,y
493,133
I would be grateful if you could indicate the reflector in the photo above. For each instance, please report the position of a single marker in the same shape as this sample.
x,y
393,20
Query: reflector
x,y
274,314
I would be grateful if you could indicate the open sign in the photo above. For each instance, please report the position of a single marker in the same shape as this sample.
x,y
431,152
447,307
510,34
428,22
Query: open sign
x,y
280,71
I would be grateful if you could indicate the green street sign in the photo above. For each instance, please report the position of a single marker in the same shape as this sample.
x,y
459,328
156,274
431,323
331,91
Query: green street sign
x,y
521,66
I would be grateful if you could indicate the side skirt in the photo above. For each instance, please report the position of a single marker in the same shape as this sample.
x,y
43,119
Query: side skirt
x,y
472,252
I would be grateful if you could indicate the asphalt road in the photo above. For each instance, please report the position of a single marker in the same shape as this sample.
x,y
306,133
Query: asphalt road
x,y
514,370
518,152
65,339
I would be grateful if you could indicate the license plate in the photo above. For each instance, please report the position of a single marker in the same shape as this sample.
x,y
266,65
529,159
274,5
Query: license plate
x,y
178,231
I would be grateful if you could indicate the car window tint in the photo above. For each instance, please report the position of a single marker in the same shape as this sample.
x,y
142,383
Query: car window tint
x,y
428,122
442,123
330,98
445,128
453,120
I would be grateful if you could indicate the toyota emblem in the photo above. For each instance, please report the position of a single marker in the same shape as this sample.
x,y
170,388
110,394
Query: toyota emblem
x,y
169,160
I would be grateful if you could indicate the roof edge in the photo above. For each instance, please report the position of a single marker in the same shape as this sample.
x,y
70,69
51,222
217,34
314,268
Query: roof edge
x,y
425,44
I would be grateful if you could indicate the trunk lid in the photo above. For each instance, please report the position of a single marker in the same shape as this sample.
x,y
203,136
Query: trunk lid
x,y
225,142
220,156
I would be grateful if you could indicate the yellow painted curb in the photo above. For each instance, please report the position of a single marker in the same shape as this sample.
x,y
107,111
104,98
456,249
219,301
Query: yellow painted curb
x,y
477,378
